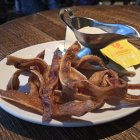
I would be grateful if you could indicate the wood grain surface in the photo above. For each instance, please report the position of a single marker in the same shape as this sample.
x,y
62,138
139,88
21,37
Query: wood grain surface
x,y
44,27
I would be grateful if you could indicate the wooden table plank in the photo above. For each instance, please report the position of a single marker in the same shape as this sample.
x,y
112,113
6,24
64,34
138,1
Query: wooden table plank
x,y
17,35
34,131
111,16
52,29
53,16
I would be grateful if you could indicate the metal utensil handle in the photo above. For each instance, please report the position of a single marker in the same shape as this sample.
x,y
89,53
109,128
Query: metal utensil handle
x,y
70,15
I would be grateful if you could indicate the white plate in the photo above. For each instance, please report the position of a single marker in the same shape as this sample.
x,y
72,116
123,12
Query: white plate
x,y
106,114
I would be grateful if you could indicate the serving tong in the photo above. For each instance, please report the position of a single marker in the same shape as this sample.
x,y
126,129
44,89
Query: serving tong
x,y
93,42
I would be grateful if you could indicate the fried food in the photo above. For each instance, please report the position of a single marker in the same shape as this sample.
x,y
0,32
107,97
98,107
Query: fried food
x,y
90,59
61,89
34,63
76,108
21,99
51,85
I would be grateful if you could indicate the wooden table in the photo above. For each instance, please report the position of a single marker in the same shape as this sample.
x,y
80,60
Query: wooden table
x,y
46,26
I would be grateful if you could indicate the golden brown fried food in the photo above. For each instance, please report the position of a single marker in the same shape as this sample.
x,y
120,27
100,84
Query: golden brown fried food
x,y
61,89
133,86
34,91
87,88
111,78
90,58
23,100
67,74
76,108
36,86
41,55
131,98
14,82
22,63
102,78
51,84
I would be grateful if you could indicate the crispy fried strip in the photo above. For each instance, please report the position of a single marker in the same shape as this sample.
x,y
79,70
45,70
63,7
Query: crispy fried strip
x,y
13,83
41,54
26,101
83,97
126,73
100,78
132,98
41,81
101,92
22,63
51,84
59,97
67,73
90,58
76,75
76,108
33,86
133,86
